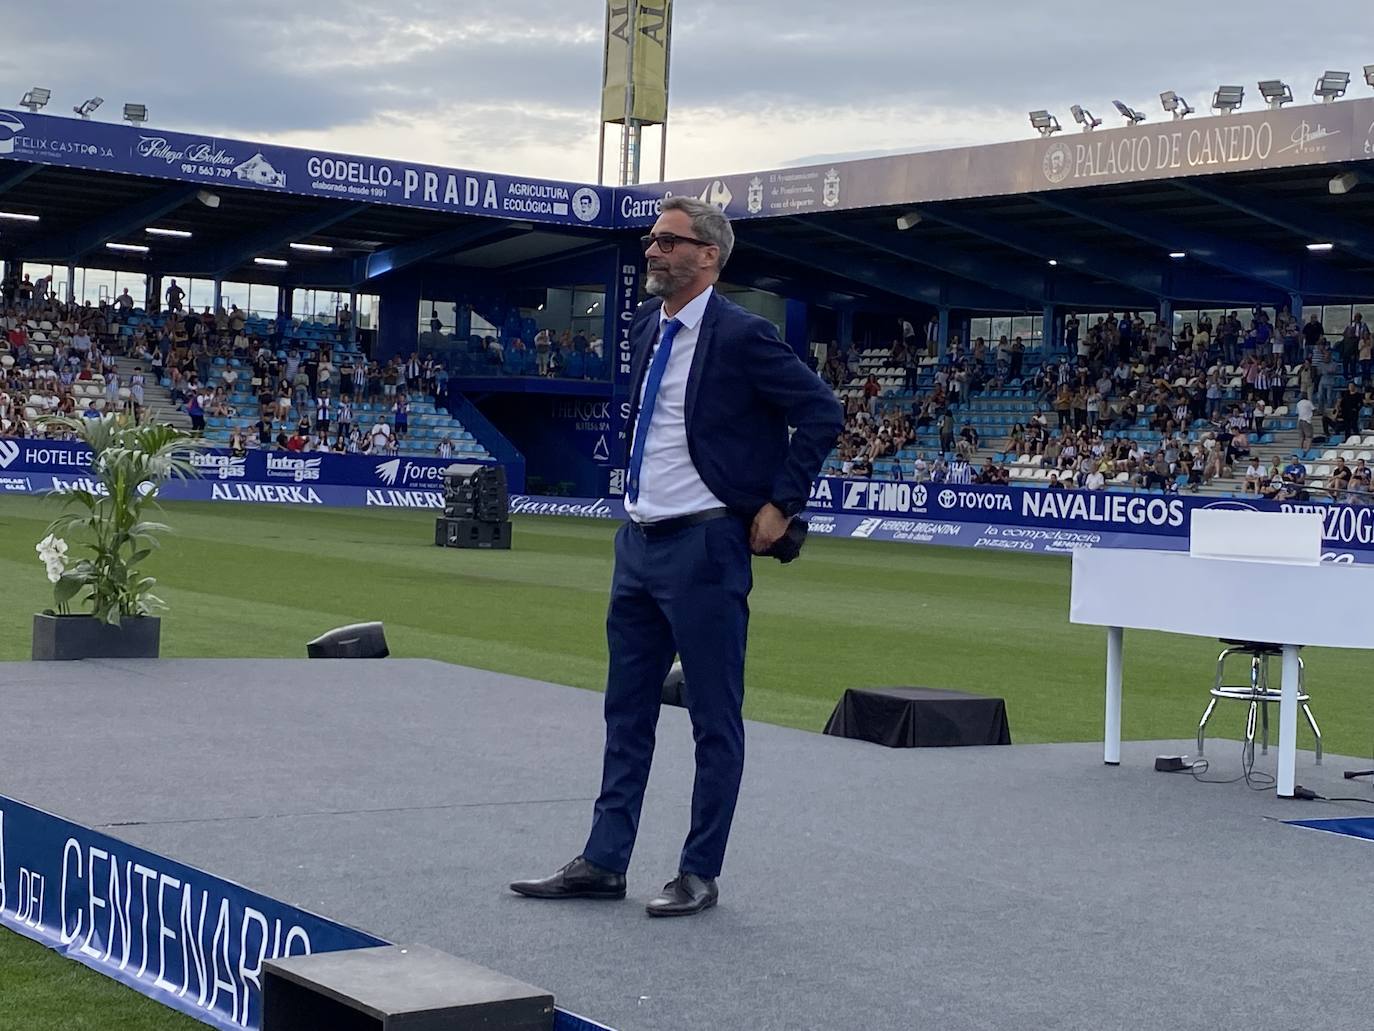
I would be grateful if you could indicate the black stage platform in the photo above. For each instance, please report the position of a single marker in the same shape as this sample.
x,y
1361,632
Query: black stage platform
x,y
975,888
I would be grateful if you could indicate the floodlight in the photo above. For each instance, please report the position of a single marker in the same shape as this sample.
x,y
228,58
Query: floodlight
x,y
1044,122
1320,246
274,262
1178,254
1132,116
85,108
1331,86
1174,104
908,221
1369,74
210,200
318,248
180,234
135,248
1343,183
135,114
36,98
1054,261
1227,99
15,216
1275,92
1085,118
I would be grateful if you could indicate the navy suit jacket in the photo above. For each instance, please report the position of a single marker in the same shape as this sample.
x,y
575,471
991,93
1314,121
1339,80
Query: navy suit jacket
x,y
745,388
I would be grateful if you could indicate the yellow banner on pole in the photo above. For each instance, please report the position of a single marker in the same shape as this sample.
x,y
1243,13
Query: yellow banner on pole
x,y
637,40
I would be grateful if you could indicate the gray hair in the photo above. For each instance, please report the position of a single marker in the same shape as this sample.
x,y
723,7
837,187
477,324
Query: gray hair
x,y
708,223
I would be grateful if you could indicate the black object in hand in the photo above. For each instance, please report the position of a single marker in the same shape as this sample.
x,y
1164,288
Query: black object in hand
x,y
789,545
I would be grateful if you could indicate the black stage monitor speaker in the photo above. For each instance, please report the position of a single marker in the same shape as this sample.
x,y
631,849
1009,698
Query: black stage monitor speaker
x,y
471,533
476,492
356,641
476,508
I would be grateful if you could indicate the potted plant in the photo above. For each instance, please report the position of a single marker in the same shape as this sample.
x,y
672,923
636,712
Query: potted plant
x,y
107,518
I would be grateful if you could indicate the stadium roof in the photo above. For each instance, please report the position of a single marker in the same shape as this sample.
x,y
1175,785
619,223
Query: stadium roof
x,y
1088,221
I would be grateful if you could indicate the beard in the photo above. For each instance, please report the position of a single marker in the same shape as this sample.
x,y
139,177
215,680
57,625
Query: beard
x,y
665,282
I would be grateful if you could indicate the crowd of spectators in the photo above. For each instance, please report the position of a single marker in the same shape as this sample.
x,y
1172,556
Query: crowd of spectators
x,y
1114,375
79,378
305,399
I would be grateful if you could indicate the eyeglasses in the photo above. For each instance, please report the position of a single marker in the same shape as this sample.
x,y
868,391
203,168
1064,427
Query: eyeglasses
x,y
667,241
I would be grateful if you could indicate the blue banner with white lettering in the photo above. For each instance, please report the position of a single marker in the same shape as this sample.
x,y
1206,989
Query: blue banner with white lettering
x,y
181,936
403,472
188,939
1005,518
214,162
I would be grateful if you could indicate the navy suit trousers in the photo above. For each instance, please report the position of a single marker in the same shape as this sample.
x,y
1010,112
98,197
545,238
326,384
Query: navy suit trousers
x,y
685,594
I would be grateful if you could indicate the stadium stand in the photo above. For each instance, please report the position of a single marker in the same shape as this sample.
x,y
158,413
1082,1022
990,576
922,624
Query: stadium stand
x,y
1125,406
234,378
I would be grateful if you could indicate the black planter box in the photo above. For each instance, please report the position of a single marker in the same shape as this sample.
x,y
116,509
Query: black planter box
x,y
85,637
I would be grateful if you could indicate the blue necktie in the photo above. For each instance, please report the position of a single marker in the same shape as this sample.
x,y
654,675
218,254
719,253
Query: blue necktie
x,y
646,410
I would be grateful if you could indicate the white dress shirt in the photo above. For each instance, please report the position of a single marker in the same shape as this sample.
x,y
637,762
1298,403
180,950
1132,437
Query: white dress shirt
x,y
669,485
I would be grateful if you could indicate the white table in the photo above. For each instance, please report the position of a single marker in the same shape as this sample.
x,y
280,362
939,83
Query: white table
x,y
1290,605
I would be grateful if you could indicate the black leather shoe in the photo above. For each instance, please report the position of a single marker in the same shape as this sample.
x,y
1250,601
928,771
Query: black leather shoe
x,y
684,895
580,879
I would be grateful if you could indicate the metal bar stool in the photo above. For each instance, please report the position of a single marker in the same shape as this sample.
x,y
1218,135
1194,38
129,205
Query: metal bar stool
x,y
1257,692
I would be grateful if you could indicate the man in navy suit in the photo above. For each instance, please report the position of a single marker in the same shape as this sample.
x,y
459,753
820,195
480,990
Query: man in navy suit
x,y
712,477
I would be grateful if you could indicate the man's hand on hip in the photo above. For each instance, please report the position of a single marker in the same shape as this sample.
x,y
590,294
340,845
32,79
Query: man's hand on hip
x,y
769,525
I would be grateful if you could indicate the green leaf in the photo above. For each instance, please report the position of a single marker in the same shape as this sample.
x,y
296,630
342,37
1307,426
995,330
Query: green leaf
x,y
65,589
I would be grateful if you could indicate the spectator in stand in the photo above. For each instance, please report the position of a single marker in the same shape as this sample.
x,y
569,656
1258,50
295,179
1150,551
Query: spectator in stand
x,y
1365,350
1304,413
345,420
174,296
1295,473
379,437
401,414
1338,483
196,412
872,390
1350,404
296,442
946,430
445,447
322,414
1360,483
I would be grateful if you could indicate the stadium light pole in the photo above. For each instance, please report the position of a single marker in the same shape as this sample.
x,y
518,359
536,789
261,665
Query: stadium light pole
x,y
1369,74
1174,104
135,114
35,99
1132,116
86,107
1275,92
1084,117
1331,86
1227,99
1044,123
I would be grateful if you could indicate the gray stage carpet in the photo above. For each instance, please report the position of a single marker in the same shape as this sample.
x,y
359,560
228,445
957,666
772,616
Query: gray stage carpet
x,y
1027,887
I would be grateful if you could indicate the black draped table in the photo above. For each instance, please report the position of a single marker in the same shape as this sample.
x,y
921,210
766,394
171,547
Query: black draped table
x,y
919,717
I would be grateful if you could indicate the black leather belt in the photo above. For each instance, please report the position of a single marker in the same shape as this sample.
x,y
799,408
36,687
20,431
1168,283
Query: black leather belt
x,y
668,527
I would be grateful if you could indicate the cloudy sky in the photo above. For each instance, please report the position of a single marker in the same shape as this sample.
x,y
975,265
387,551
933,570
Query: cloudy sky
x,y
512,86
